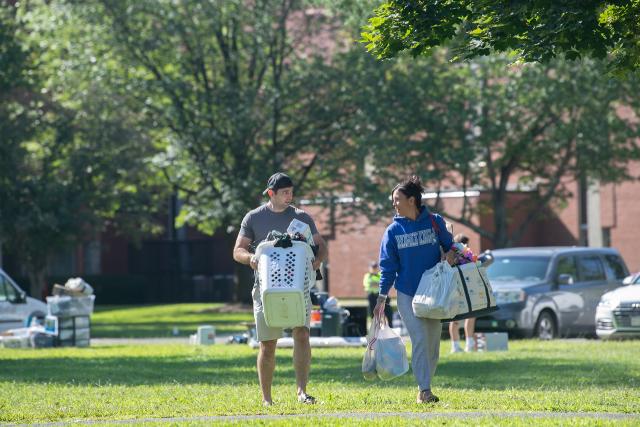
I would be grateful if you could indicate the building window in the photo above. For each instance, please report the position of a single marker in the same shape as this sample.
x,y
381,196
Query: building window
x,y
91,257
606,236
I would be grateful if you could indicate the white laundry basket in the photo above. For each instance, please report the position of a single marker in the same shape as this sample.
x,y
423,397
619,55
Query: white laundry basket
x,y
285,276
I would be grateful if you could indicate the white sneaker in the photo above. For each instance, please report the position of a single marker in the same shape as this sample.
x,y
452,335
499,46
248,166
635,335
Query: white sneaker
x,y
470,345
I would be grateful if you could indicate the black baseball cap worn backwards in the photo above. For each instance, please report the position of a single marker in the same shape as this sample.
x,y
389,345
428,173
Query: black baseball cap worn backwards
x,y
277,181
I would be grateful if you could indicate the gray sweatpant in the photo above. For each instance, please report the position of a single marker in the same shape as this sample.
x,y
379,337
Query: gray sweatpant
x,y
425,341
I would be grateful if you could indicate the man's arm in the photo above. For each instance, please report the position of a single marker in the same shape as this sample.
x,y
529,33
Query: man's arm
x,y
322,250
241,252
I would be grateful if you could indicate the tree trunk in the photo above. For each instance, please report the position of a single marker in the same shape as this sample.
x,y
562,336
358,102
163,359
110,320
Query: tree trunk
x,y
243,284
243,278
37,288
500,219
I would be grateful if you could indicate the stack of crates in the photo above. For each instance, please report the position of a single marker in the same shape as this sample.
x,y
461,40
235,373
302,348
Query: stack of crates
x,y
72,316
74,331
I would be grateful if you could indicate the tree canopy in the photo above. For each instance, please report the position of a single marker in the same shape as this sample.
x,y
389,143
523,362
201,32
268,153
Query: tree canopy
x,y
536,31
73,160
486,126
235,93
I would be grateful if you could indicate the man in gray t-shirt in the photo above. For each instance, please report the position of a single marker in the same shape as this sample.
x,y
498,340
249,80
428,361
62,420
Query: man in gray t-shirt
x,y
257,224
277,214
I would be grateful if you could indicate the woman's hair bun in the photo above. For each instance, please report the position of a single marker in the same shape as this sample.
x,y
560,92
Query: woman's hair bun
x,y
411,187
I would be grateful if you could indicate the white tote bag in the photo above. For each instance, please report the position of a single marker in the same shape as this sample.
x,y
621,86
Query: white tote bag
x,y
473,295
436,294
453,293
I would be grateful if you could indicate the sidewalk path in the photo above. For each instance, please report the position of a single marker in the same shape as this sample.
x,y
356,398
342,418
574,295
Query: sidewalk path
x,y
96,342
354,415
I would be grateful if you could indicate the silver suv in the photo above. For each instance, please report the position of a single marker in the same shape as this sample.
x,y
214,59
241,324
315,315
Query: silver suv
x,y
16,308
548,292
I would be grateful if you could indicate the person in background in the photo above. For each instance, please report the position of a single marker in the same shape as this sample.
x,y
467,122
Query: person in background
x,y
371,284
411,245
469,324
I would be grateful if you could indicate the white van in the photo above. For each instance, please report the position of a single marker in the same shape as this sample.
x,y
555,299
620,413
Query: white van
x,y
16,308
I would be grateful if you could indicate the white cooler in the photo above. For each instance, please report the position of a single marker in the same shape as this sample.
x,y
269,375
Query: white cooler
x,y
491,341
285,277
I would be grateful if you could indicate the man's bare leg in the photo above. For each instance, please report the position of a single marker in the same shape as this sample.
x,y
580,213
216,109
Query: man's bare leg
x,y
301,358
266,366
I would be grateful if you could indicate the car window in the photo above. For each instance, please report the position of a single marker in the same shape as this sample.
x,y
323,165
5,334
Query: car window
x,y
7,291
590,268
11,293
567,265
518,268
615,266
3,284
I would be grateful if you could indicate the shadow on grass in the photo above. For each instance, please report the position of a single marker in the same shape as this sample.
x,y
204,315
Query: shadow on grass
x,y
534,372
200,368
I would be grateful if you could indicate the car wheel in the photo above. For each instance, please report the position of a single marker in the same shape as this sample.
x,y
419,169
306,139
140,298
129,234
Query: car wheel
x,y
546,326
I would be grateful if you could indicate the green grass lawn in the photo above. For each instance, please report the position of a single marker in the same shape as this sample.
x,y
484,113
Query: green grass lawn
x,y
160,320
126,382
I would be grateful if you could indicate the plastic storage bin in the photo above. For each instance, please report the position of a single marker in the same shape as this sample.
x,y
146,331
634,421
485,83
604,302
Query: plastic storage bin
x,y
66,306
73,331
285,275
79,322
74,334
19,341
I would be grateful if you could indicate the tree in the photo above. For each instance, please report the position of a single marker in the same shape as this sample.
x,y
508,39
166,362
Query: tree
x,y
17,123
536,30
231,91
70,163
24,117
486,126
237,90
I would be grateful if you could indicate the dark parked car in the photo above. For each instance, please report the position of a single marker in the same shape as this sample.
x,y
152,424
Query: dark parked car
x,y
548,292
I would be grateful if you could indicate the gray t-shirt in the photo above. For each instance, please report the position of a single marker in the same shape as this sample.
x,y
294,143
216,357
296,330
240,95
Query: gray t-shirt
x,y
257,223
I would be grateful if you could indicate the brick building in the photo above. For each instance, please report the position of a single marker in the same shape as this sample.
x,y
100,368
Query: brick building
x,y
354,245
185,265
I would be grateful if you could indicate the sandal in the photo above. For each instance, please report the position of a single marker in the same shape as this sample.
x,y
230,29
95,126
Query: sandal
x,y
307,399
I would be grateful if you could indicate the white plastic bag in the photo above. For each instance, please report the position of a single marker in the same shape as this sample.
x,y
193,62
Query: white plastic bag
x,y
77,284
369,359
436,296
390,353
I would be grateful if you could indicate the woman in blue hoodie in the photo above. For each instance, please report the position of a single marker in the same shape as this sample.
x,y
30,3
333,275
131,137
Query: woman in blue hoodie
x,y
411,245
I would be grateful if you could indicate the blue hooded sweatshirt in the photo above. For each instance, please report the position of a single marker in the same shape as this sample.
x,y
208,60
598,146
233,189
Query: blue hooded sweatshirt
x,y
409,248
